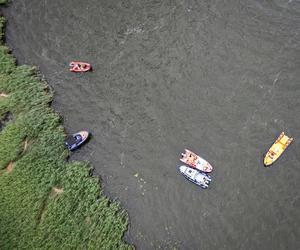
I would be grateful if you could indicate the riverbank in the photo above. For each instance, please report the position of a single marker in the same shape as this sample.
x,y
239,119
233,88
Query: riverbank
x,y
46,202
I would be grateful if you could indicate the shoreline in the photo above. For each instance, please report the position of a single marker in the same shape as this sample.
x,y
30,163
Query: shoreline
x,y
33,158
218,78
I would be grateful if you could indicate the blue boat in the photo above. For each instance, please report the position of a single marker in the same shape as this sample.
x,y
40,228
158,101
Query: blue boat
x,y
76,140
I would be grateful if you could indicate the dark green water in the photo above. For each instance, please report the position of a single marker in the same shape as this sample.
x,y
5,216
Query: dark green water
x,y
220,78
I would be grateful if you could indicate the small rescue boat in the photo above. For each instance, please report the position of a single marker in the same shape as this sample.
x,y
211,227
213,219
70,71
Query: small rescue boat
x,y
196,161
80,67
74,141
193,175
277,149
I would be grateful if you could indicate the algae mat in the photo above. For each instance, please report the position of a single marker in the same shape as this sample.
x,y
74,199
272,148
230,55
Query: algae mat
x,y
219,78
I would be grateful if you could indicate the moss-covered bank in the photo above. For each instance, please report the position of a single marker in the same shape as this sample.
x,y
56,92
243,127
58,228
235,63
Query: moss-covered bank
x,y
46,202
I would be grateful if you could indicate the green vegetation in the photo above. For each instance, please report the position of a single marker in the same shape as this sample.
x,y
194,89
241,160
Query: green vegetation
x,y
45,202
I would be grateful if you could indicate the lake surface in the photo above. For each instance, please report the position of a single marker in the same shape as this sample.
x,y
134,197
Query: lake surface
x,y
218,77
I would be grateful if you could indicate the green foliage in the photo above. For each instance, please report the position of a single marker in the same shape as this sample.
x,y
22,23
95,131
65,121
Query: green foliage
x,y
45,202
7,62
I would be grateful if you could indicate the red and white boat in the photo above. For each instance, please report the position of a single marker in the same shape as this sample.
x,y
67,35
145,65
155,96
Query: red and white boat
x,y
80,67
195,161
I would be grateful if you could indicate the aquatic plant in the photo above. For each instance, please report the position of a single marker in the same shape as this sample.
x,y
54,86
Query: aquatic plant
x,y
45,202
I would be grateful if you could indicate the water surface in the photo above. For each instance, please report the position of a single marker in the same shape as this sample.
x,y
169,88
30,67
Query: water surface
x,y
218,77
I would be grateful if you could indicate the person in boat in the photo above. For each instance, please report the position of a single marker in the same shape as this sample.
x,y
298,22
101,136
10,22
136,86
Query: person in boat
x,y
273,153
189,158
192,158
78,138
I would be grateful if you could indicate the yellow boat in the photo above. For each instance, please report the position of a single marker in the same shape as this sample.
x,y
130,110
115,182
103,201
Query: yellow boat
x,y
277,149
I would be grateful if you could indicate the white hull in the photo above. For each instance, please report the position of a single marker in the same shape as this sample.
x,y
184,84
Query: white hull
x,y
193,175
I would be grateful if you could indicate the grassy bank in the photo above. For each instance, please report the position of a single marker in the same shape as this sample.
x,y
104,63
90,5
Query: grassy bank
x,y
46,202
